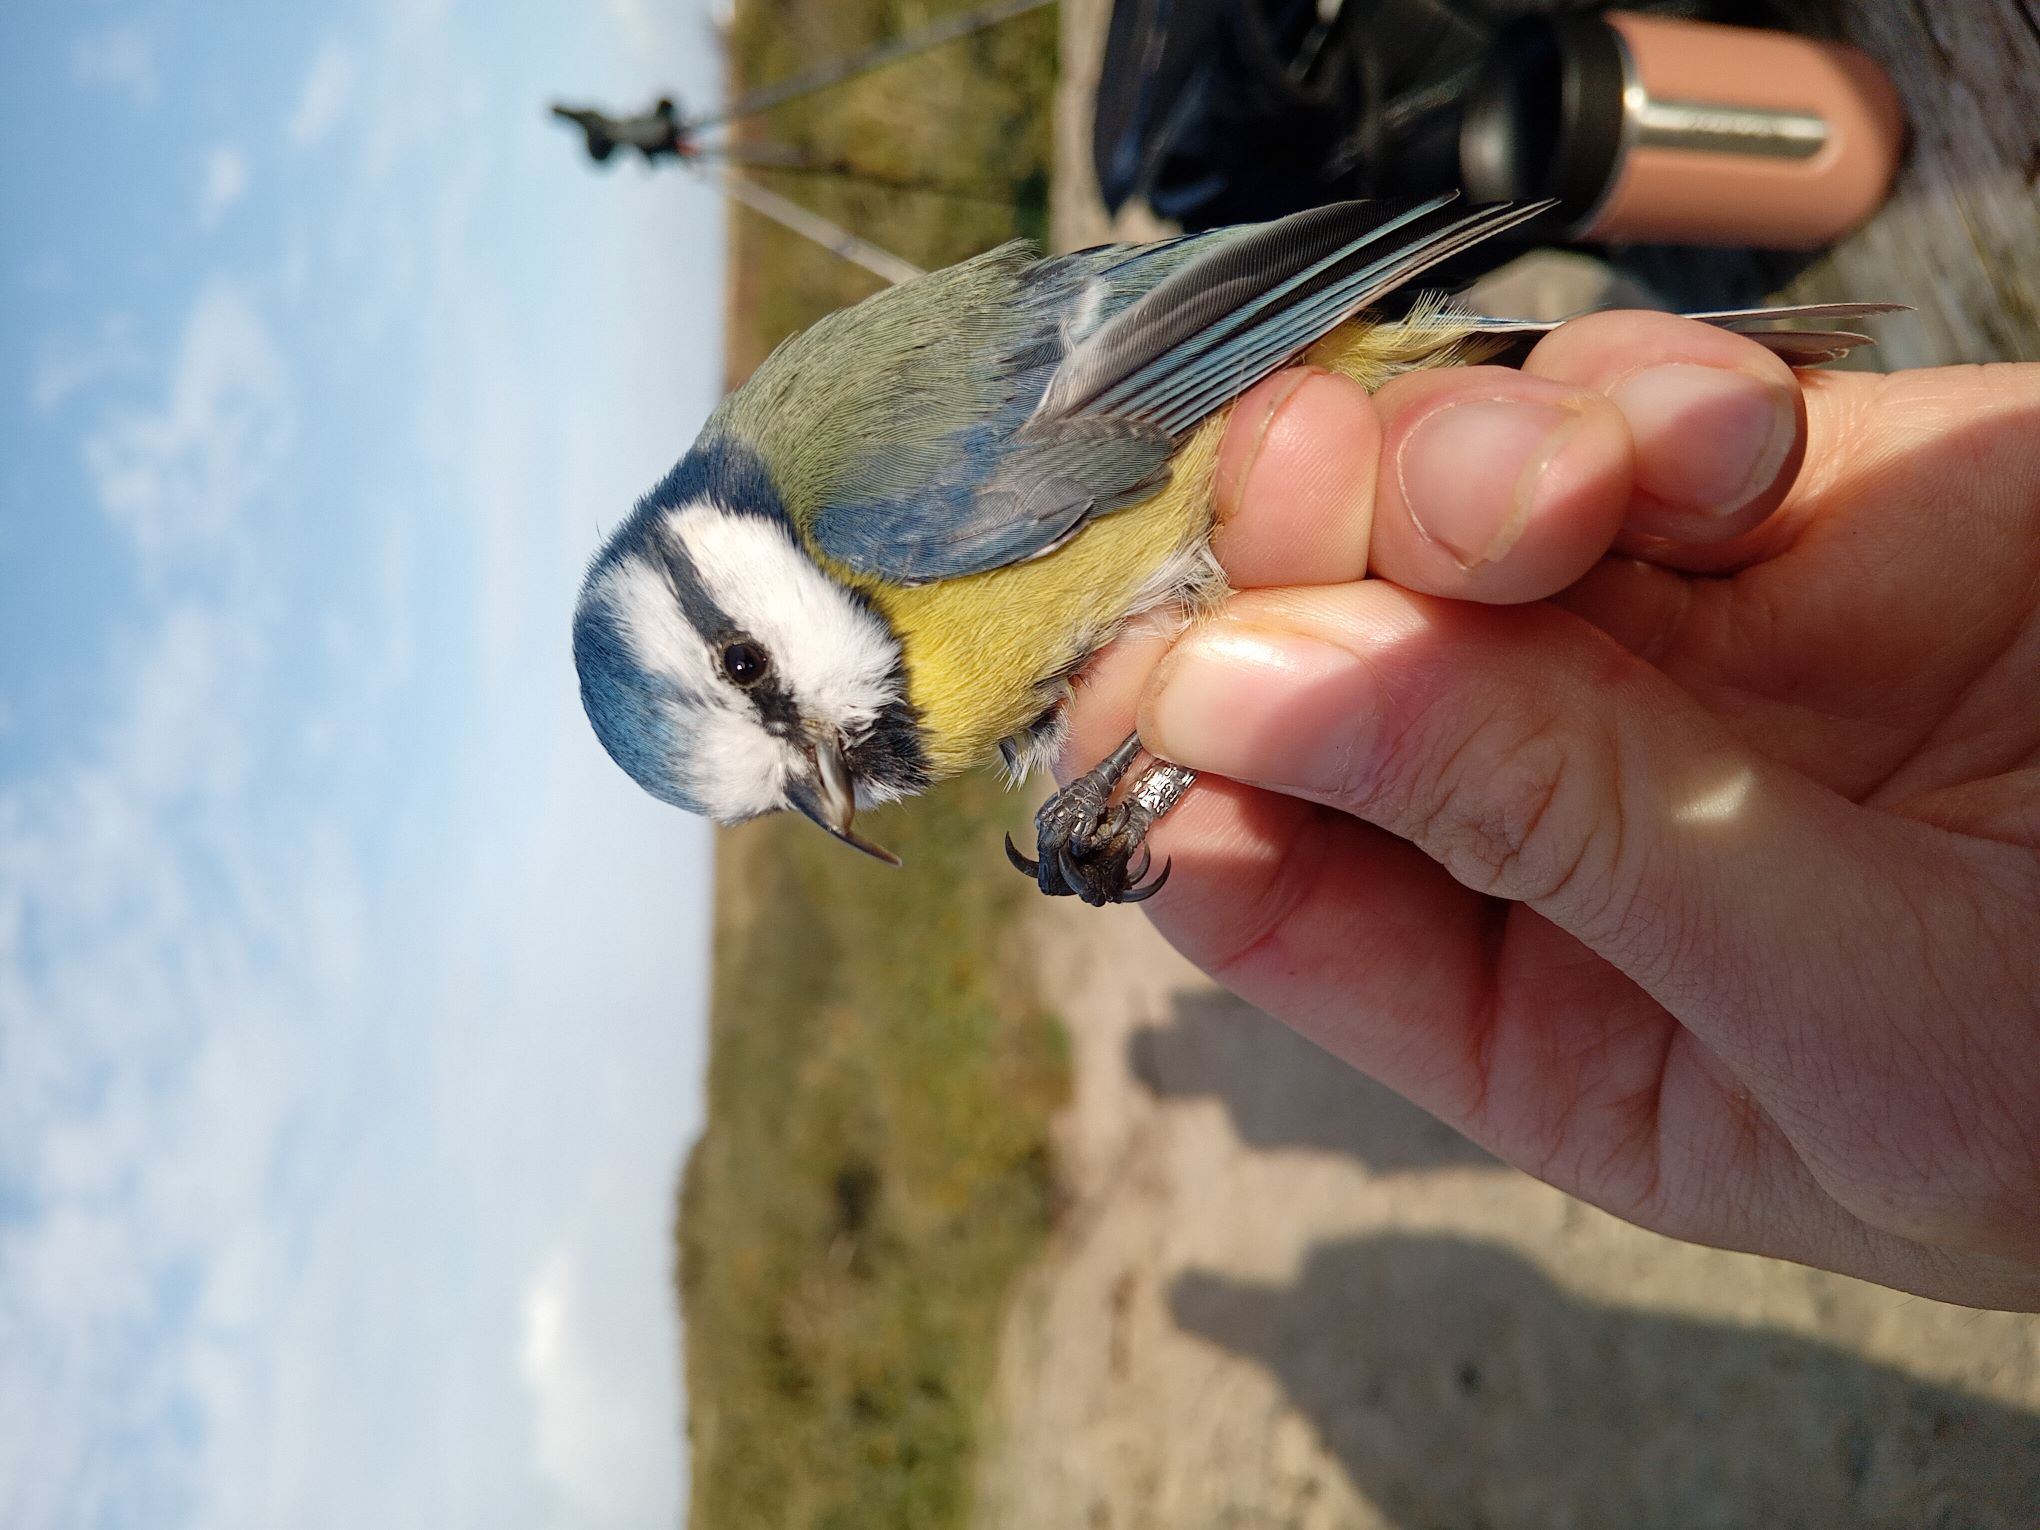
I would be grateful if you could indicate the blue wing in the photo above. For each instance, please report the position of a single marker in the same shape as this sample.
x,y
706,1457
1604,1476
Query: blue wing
x,y
1216,326
1122,350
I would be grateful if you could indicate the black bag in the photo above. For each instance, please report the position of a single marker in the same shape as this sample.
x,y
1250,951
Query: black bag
x,y
1230,111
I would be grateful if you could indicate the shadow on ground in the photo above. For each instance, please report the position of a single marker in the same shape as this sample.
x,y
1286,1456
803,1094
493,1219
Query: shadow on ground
x,y
1285,1092
1459,1387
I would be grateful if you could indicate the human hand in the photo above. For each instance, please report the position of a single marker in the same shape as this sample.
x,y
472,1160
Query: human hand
x,y
1701,880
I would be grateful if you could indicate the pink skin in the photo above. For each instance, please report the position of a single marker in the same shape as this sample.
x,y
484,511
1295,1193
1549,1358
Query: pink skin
x,y
1662,814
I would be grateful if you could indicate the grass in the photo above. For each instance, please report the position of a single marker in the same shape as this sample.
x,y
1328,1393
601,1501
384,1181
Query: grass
x,y
974,112
876,1169
875,1172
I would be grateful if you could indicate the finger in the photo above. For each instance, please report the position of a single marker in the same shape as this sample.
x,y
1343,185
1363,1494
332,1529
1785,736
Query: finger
x,y
1651,607
1536,761
1294,492
1305,910
1496,486
1718,423
1262,880
1502,1025
1509,745
1552,1059
1878,447
1295,481
1104,695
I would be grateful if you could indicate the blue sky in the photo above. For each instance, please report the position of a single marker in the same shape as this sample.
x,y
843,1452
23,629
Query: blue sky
x,y
350,1001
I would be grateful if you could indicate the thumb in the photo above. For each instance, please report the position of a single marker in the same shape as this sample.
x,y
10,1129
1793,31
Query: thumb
x,y
1523,750
1538,761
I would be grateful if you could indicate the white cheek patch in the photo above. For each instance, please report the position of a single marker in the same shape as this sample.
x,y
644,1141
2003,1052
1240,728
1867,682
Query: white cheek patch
x,y
739,770
660,638
834,656
733,767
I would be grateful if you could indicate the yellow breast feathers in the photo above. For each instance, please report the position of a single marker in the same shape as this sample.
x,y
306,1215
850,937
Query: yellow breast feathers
x,y
987,654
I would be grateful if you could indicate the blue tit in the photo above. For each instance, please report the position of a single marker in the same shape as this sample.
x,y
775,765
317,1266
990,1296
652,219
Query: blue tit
x,y
892,547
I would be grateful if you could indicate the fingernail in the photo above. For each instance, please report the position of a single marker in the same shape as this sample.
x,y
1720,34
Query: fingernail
x,y
1708,440
1271,708
1471,473
1258,416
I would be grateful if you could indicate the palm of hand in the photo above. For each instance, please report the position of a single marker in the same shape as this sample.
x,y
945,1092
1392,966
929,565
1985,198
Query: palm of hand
x,y
1887,650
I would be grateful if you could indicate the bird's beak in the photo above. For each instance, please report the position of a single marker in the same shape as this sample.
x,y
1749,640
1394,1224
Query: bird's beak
x,y
830,797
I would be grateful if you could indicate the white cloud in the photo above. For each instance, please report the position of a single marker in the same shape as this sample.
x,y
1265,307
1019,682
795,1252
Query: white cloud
x,y
152,1071
634,19
596,1440
324,96
120,58
186,730
223,182
182,474
66,366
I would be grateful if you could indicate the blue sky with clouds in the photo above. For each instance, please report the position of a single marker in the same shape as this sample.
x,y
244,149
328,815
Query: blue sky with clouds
x,y
350,1001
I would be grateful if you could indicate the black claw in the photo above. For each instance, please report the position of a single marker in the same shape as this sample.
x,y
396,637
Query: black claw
x,y
1021,863
1073,874
1089,846
1142,894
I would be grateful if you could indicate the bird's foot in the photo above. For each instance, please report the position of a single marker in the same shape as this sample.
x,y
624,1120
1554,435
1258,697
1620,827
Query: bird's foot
x,y
1092,847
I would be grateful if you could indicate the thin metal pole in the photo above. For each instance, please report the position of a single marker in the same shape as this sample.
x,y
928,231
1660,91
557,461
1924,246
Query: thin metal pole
x,y
947,29
832,237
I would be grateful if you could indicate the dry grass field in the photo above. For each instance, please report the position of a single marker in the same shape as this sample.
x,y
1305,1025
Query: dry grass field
x,y
875,1170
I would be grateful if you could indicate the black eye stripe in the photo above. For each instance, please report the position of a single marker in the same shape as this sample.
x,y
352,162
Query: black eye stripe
x,y
707,617
778,713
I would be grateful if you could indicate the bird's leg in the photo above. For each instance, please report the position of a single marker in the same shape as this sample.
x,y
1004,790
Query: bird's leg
x,y
1092,847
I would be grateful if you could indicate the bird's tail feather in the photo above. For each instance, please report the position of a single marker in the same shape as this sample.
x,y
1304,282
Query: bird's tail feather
x,y
1798,345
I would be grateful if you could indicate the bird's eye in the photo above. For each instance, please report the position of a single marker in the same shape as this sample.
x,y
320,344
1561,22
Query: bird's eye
x,y
745,662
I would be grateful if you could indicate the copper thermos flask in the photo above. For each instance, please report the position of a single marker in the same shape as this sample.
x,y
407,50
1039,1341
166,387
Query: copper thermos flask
x,y
1653,130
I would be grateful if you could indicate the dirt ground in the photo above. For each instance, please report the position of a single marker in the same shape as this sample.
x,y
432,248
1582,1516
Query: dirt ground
x,y
1283,1297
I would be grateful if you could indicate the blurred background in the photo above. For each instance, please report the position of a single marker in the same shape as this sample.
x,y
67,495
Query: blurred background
x,y
405,1121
